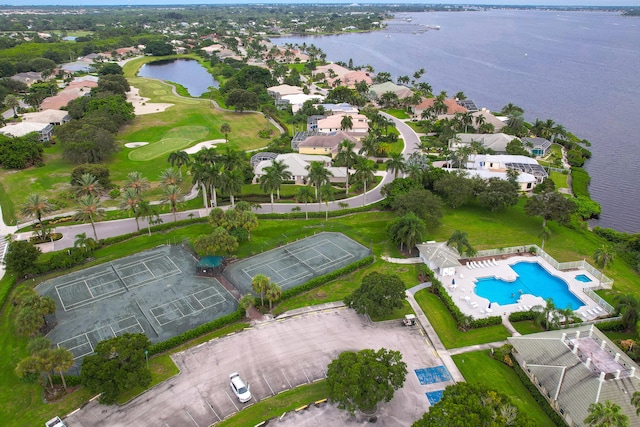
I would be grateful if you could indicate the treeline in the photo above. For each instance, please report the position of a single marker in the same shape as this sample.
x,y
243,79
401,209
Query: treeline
x,y
626,245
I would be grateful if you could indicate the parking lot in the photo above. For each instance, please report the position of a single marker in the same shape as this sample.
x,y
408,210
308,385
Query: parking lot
x,y
273,356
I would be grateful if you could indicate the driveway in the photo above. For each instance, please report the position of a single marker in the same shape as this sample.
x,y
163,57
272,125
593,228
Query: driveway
x,y
273,356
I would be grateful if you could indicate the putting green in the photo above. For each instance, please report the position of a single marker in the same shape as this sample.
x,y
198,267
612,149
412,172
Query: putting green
x,y
175,139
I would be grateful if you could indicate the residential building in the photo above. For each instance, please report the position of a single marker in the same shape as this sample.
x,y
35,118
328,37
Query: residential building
x,y
360,123
439,257
324,144
54,117
497,142
377,90
296,165
452,106
44,130
573,368
539,147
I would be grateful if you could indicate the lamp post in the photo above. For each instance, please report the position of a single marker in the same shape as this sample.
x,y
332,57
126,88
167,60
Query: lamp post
x,y
146,356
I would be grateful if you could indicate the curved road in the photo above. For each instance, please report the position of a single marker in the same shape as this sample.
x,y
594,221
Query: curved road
x,y
106,229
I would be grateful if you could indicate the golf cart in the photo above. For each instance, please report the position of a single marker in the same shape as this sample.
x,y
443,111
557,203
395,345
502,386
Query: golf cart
x,y
409,320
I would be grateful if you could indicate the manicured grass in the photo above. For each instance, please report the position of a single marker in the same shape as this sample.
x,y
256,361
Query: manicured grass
x,y
397,313
277,405
559,179
526,327
397,113
478,368
162,368
161,148
446,328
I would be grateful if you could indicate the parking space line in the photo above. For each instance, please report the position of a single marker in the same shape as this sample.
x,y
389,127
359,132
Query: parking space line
x,y
285,377
232,402
213,410
268,385
194,421
305,374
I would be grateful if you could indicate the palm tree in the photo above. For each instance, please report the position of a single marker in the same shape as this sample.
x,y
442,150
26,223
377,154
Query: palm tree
x,y
170,177
273,293
326,194
136,181
89,210
635,401
246,302
84,242
61,361
231,182
88,184
129,201
11,101
545,234
568,315
225,128
607,414
200,177
604,255
347,157
260,285
395,163
547,316
364,175
370,145
407,230
511,109
149,212
318,176
346,123
304,196
172,195
36,206
629,306
178,159
460,240
273,177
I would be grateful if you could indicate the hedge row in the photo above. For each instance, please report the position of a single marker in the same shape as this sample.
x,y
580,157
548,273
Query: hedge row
x,y
535,393
321,280
518,316
611,326
322,214
458,315
6,285
198,331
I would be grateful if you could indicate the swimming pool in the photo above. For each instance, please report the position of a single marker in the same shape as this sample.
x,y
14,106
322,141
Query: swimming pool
x,y
532,279
583,278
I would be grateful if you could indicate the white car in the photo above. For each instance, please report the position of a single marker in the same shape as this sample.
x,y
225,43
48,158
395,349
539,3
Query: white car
x,y
55,422
240,389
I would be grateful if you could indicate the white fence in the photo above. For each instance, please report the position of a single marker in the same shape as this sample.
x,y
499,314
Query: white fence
x,y
603,281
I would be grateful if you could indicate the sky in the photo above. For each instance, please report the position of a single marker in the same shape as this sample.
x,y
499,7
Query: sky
x,y
194,2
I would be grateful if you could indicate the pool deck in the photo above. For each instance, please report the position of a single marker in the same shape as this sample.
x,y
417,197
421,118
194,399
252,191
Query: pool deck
x,y
464,296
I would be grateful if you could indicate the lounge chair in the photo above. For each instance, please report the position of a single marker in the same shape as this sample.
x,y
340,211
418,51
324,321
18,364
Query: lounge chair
x,y
488,310
473,304
592,311
469,266
519,308
486,263
494,262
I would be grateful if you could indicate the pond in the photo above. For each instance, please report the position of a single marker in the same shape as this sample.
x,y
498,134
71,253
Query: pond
x,y
187,72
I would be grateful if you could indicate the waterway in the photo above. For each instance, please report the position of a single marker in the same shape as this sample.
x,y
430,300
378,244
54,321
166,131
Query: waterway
x,y
187,72
579,69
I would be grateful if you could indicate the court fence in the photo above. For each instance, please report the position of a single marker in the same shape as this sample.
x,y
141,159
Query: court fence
x,y
604,282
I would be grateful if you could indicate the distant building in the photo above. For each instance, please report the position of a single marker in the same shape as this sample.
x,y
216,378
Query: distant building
x,y
539,147
497,142
324,144
377,90
360,123
54,117
18,130
452,106
297,164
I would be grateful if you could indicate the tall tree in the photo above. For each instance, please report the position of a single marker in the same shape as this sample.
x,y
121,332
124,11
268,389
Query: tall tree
x,y
346,123
231,181
273,178
550,206
147,211
61,361
89,209
629,306
346,156
604,255
129,201
459,240
88,184
136,181
218,242
607,414
225,129
326,193
11,101
364,175
260,284
273,294
36,206
362,380
305,196
395,163
170,177
318,176
87,244
172,195
21,257
407,230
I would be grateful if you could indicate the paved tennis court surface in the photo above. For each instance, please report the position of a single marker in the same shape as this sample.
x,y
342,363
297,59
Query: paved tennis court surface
x,y
298,262
154,292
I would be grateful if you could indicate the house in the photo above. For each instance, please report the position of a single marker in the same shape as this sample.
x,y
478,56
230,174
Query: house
x,y
44,130
452,107
497,142
360,123
342,108
78,87
439,257
324,144
296,101
377,90
54,117
330,70
526,181
27,78
539,147
573,368
504,162
296,165
350,79
488,117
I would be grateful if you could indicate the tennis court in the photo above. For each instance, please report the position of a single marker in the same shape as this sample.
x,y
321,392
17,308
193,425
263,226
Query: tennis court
x,y
298,262
154,292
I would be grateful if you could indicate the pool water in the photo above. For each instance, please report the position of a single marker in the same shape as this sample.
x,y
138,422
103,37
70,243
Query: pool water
x,y
583,278
532,279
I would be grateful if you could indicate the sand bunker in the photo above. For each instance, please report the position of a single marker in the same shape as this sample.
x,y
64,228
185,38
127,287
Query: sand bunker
x,y
142,106
205,144
135,144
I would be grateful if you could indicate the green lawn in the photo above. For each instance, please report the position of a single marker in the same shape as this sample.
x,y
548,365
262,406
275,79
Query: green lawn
x,y
559,179
526,327
446,328
478,368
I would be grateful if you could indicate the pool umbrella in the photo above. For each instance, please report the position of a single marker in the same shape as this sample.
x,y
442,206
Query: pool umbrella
x,y
489,304
453,281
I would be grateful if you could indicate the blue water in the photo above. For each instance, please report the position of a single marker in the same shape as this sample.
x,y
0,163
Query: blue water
x,y
436,374
187,72
583,278
578,68
532,279
434,396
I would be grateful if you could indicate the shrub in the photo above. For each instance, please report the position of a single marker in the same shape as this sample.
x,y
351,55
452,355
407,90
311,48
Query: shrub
x,y
518,316
535,393
115,193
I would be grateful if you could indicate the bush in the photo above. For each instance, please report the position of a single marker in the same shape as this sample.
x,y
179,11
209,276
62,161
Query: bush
x,y
611,326
115,193
535,393
518,316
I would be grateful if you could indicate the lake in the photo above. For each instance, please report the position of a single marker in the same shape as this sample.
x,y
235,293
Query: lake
x,y
579,69
187,72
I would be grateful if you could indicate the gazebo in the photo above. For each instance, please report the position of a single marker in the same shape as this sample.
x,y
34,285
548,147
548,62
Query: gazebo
x,y
209,265
439,257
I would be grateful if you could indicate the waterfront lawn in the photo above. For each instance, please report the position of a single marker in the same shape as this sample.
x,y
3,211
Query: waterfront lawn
x,y
526,327
559,179
478,368
446,328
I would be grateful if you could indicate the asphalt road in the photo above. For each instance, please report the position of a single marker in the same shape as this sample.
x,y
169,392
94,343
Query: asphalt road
x,y
273,356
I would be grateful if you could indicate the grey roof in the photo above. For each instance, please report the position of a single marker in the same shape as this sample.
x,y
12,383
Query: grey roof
x,y
439,254
468,104
493,141
567,377
537,142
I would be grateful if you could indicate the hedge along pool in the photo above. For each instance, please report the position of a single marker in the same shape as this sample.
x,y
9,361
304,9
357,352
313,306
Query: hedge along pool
x,y
532,279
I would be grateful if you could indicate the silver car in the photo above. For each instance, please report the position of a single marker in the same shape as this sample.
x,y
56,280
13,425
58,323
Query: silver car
x,y
240,389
